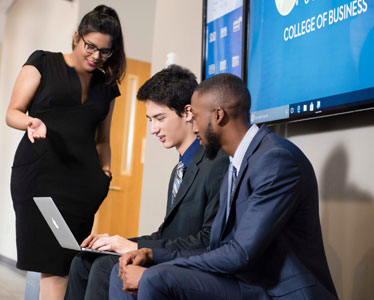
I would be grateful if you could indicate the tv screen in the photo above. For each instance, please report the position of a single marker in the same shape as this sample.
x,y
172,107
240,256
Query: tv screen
x,y
308,58
223,37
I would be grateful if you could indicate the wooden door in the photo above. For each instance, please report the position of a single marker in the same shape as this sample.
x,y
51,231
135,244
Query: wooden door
x,y
119,213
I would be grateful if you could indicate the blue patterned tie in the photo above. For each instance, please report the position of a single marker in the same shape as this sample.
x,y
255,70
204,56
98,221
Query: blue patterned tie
x,y
230,188
177,180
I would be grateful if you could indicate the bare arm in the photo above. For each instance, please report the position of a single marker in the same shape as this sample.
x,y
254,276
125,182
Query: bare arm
x,y
103,141
27,83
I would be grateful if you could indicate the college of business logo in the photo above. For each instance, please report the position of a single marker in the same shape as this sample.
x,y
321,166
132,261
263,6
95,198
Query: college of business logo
x,y
285,6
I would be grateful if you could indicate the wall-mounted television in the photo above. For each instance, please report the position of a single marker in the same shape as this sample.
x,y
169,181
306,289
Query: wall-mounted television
x,y
309,58
224,33
300,58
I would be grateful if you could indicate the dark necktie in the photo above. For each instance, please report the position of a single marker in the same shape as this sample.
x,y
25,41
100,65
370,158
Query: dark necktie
x,y
230,188
177,180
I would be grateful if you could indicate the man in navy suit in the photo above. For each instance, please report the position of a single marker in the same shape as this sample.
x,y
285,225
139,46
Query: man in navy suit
x,y
266,240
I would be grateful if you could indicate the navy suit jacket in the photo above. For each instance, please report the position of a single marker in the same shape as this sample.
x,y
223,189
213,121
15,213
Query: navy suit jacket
x,y
273,235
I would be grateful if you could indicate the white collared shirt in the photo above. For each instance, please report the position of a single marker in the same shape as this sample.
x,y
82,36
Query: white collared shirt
x,y
237,159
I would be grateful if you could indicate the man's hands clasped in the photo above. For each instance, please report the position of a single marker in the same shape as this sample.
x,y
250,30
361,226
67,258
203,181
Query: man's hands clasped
x,y
131,270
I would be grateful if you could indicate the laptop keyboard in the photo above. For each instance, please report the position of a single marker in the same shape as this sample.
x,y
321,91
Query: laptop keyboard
x,y
100,252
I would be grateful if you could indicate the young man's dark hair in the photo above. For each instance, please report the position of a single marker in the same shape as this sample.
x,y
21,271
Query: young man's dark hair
x,y
172,87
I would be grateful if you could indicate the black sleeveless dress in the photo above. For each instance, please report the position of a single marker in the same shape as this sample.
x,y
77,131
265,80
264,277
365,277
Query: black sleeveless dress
x,y
64,166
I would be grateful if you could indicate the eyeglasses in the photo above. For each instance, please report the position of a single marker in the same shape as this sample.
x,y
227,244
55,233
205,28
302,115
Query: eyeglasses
x,y
91,49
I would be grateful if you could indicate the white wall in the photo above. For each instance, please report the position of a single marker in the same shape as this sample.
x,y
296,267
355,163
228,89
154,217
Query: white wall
x,y
341,151
177,29
137,19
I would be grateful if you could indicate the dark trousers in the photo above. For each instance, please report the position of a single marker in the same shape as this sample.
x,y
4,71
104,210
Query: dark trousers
x,y
89,276
165,282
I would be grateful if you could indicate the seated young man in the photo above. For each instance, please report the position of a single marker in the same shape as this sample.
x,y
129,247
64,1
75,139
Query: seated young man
x,y
193,192
266,240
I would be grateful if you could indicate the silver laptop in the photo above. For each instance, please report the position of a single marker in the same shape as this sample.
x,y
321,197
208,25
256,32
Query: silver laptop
x,y
59,227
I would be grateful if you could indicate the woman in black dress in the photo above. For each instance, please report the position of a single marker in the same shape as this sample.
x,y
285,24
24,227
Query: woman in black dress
x,y
65,152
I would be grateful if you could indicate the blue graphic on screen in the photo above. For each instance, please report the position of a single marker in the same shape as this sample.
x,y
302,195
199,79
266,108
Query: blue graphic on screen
x,y
307,55
224,44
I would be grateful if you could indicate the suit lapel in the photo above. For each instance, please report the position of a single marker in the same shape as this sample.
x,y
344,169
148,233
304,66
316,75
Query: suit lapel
x,y
264,130
188,179
257,139
220,219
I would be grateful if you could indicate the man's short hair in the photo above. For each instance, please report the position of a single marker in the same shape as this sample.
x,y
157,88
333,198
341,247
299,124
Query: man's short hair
x,y
172,87
231,93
